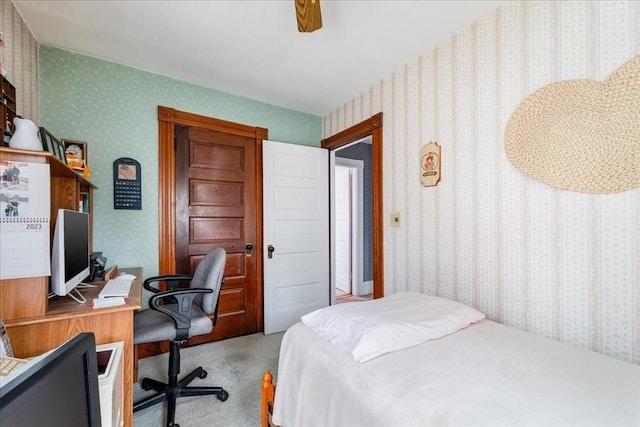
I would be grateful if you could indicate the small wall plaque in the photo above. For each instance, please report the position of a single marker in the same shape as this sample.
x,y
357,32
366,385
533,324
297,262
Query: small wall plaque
x,y
430,164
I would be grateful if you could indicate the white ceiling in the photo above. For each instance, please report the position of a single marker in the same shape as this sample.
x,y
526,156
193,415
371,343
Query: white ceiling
x,y
252,48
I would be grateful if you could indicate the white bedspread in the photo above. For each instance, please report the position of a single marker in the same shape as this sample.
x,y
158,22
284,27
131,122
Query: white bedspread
x,y
485,375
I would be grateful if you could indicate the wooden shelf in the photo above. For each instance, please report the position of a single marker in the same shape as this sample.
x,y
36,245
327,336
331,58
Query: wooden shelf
x,y
58,168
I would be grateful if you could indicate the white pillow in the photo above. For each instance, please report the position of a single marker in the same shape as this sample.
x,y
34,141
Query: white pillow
x,y
370,329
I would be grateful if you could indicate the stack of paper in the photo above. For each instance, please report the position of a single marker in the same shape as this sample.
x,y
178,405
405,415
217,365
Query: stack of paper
x,y
108,302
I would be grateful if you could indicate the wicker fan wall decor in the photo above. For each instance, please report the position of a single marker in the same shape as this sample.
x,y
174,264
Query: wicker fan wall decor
x,y
308,15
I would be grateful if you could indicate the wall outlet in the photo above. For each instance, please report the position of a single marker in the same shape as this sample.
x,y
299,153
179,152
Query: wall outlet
x,y
395,219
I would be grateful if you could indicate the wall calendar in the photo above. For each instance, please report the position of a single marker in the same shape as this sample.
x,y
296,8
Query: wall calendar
x,y
24,220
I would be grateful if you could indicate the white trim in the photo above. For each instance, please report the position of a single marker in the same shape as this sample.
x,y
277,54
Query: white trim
x,y
367,287
358,242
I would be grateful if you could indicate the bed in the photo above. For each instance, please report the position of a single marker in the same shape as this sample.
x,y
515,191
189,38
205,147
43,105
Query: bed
x,y
484,373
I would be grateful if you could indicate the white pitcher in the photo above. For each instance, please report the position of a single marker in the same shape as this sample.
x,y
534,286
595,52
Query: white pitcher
x,y
25,135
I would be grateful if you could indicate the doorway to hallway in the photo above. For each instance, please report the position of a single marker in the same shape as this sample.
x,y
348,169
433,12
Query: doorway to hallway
x,y
351,216
373,129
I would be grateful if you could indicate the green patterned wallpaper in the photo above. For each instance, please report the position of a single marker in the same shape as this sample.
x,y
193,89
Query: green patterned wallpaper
x,y
114,109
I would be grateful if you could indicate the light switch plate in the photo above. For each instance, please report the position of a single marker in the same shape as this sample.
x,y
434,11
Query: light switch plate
x,y
395,219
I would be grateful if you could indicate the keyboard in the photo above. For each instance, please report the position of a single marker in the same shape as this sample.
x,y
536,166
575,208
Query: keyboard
x,y
117,287
10,364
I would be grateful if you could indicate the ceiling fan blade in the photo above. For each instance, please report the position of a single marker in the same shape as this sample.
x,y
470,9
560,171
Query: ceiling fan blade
x,y
308,15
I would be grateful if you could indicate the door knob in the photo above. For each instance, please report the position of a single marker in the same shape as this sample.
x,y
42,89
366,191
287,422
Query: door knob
x,y
270,250
248,248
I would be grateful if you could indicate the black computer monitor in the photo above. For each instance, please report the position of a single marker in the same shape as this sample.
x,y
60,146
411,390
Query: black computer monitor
x,y
59,389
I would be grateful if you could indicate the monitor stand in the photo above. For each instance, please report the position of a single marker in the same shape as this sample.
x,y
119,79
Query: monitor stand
x,y
80,299
83,285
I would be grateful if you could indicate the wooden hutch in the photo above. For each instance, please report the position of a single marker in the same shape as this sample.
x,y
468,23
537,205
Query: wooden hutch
x,y
27,297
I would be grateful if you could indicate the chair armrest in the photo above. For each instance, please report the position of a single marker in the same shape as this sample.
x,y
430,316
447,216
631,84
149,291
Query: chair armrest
x,y
172,281
182,316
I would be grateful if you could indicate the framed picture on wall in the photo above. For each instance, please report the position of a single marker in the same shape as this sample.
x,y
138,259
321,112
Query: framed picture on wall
x,y
52,145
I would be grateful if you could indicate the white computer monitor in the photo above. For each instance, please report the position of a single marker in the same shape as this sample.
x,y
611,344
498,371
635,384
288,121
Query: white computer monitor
x,y
70,258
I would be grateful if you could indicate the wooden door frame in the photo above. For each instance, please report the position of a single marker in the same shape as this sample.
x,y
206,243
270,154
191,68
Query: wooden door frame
x,y
168,119
370,127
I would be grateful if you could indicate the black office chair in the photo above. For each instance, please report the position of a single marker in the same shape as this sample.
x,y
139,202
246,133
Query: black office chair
x,y
185,313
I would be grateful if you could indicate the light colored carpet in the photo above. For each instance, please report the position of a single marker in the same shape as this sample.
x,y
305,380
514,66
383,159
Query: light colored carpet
x,y
236,364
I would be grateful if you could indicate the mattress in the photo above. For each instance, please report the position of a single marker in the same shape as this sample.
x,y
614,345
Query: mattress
x,y
487,374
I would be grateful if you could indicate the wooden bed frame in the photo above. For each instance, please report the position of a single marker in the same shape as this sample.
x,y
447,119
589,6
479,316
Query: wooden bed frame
x,y
268,397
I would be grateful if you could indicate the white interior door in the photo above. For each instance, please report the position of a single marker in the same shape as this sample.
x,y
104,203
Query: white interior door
x,y
354,251
343,228
296,232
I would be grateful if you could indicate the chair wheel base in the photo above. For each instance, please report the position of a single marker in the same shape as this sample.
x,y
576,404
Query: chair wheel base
x,y
203,374
223,395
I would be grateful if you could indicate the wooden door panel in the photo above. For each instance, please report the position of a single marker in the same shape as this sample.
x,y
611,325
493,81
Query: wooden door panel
x,y
216,194
211,230
215,156
233,302
218,211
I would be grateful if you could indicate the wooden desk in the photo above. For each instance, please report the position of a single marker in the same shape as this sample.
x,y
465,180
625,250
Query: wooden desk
x,y
66,318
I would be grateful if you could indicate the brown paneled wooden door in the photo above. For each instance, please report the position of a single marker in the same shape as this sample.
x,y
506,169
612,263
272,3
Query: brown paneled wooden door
x,y
215,194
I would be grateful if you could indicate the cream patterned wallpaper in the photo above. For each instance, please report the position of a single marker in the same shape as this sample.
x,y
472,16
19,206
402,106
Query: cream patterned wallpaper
x,y
557,263
114,109
19,58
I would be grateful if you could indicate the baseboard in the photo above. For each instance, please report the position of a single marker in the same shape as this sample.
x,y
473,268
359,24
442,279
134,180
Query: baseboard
x,y
366,288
